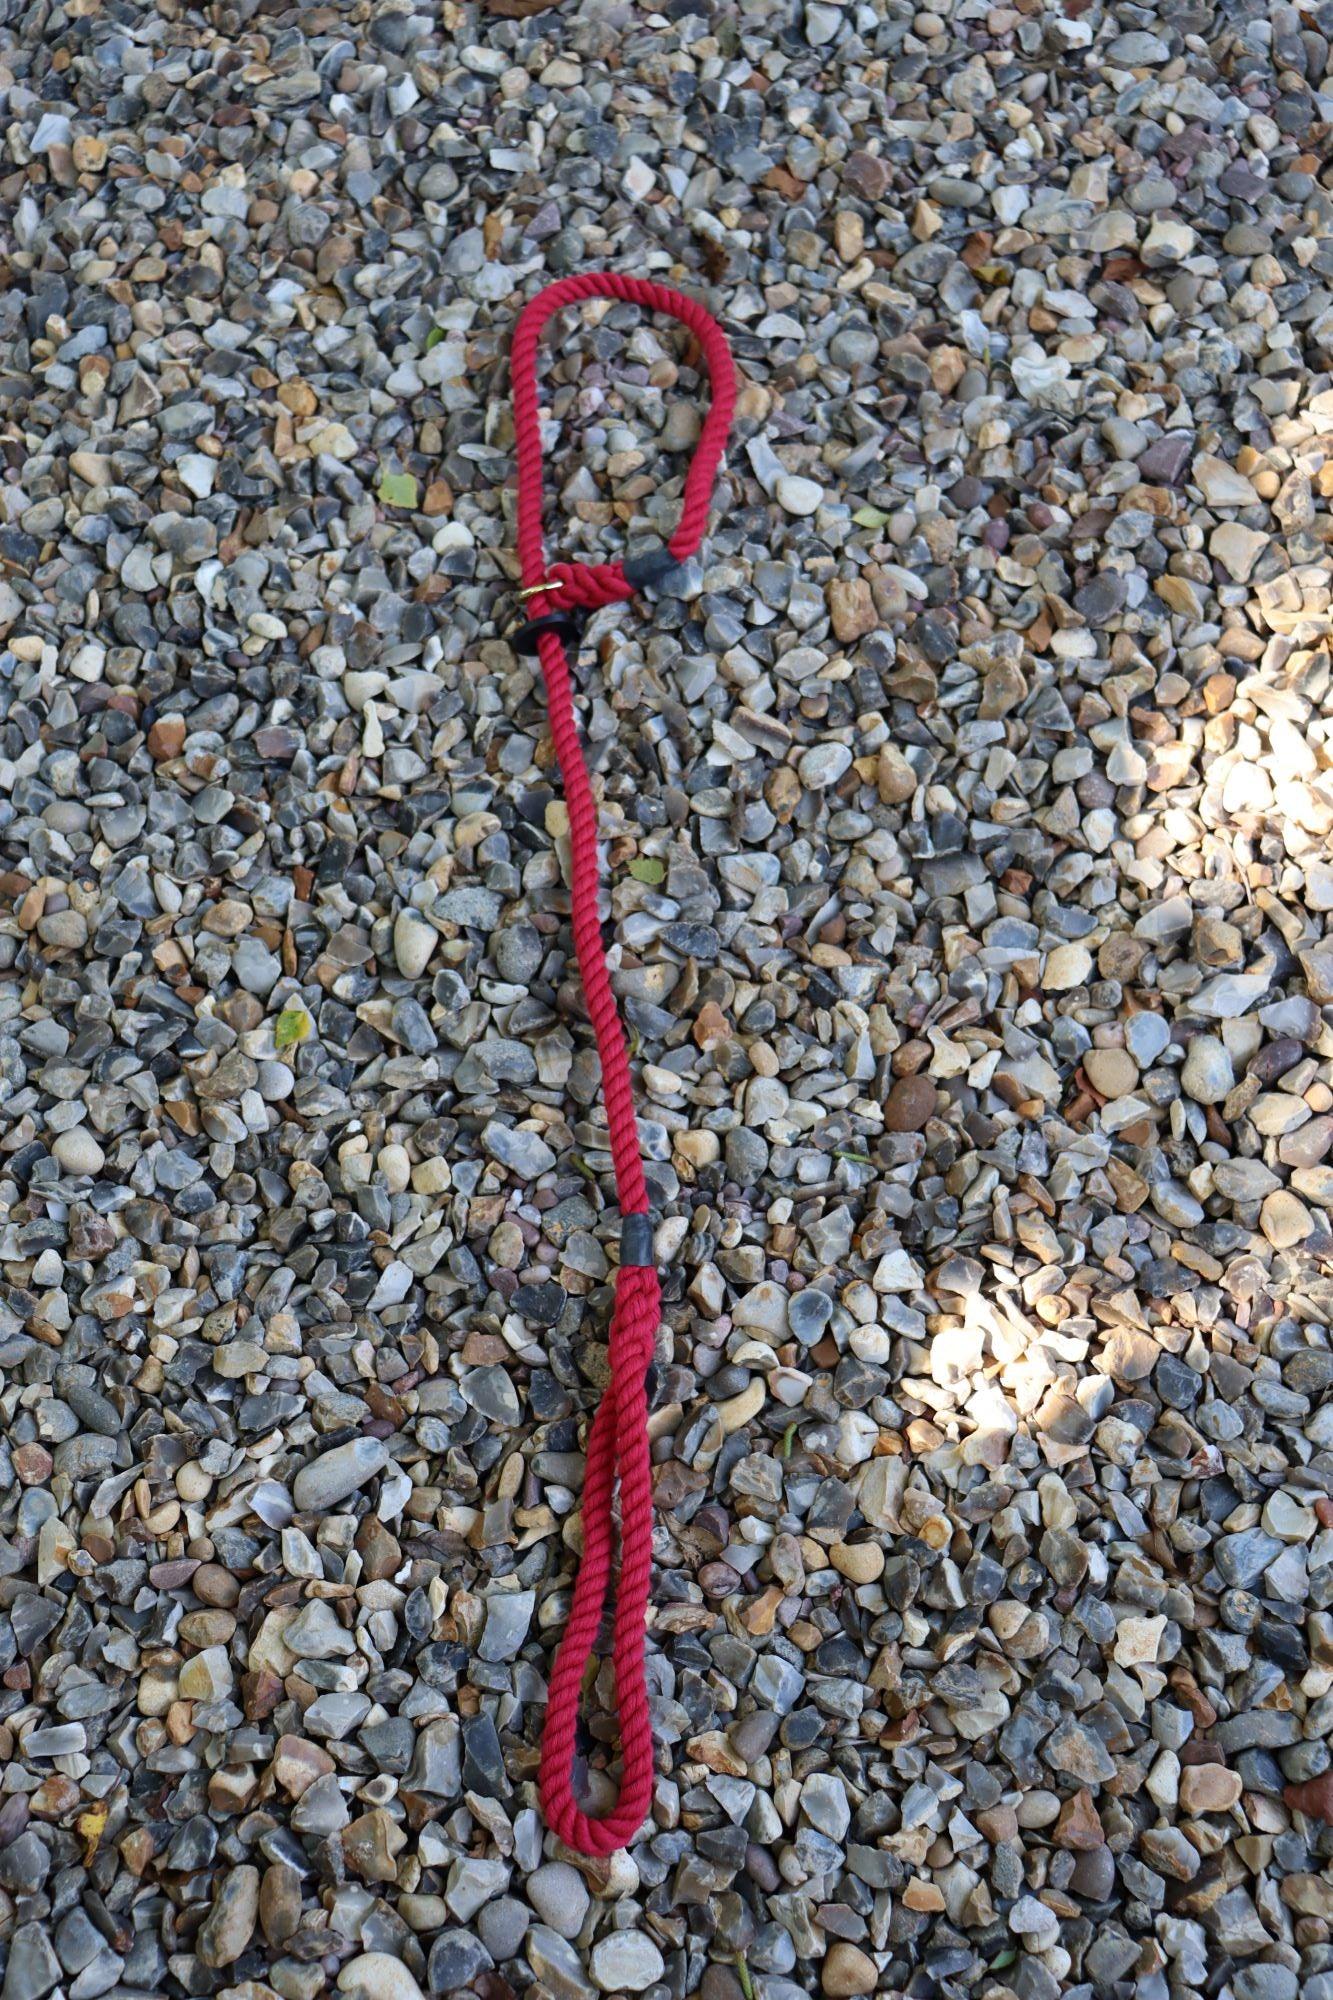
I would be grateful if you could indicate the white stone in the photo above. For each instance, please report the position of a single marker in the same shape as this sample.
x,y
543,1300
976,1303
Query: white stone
x,y
334,1474
880,1489
414,940
896,1272
1008,203
396,1281
823,764
445,362
1220,483
626,1962
197,473
1231,993
1284,1220
558,1894
1068,965
78,1152
378,1976
473,1881
1207,1075
1237,548
51,130
798,496
332,441
89,663
1032,1919
763,1309
1137,1640
1319,885
1043,379
1285,1517
1167,242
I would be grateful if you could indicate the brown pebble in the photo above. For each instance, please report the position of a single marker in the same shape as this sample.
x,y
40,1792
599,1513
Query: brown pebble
x,y
1111,1072
370,1844
172,1575
859,1562
851,609
711,1027
214,1585
867,174
260,1694
279,1902
1314,1798
1209,1788
166,738
895,780
299,398
1079,1828
297,1763
380,1552
32,1464
848,1971
214,1627
999,1825
909,1104
922,1896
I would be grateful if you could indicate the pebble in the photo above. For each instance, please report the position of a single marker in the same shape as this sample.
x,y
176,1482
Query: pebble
x,y
1285,1220
1112,1072
338,1473
1207,1074
798,496
909,1104
556,1963
559,1896
625,1962
378,1975
230,1923
78,1152
1067,966
414,943
848,1971
1209,1788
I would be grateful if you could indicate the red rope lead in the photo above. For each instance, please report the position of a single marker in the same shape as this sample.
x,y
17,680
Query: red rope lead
x,y
618,1441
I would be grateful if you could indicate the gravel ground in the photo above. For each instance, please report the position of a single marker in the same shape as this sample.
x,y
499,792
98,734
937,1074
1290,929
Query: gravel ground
x,y
969,822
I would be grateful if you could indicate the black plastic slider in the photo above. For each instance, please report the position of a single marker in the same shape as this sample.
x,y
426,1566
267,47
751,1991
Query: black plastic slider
x,y
523,638
636,1241
650,569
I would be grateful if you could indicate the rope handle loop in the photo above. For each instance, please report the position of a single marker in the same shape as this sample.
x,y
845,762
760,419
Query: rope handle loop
x,y
617,1451
587,586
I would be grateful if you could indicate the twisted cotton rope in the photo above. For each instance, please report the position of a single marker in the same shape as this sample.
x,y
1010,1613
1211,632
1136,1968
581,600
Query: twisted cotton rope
x,y
618,1441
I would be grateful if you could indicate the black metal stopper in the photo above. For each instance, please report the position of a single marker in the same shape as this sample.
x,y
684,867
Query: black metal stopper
x,y
636,1241
566,623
